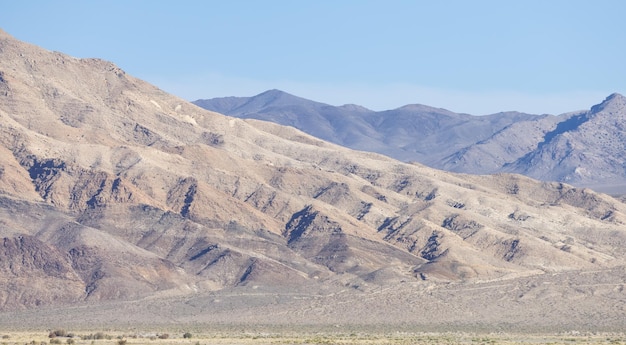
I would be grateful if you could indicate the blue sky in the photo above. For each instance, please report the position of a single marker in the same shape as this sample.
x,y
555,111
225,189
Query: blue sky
x,y
478,57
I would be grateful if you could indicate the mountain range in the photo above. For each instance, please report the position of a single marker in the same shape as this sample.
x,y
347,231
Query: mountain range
x,y
121,204
583,148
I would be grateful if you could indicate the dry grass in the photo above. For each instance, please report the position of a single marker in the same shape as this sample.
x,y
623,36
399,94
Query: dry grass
x,y
294,336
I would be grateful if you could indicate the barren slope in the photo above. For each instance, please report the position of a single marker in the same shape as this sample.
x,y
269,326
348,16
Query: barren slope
x,y
115,190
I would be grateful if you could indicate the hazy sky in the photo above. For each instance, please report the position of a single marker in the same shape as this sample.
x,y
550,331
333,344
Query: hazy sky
x,y
478,57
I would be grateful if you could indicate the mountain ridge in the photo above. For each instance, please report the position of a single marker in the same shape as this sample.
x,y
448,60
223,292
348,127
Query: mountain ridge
x,y
587,146
388,132
442,139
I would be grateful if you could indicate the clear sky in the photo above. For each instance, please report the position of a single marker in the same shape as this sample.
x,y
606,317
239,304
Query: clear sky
x,y
473,56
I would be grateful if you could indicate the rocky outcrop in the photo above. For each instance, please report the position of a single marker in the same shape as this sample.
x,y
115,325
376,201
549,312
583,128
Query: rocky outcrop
x,y
35,274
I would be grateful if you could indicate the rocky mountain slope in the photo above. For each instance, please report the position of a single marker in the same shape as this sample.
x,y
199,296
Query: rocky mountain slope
x,y
112,190
582,148
586,148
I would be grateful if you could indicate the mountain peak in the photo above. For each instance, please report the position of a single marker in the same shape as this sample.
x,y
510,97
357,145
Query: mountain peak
x,y
276,97
273,92
355,107
615,96
613,102
425,108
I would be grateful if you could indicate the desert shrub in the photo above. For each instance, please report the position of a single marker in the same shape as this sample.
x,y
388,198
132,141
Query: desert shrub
x,y
6,336
96,336
187,335
213,139
57,333
55,341
121,342
70,341
152,337
164,336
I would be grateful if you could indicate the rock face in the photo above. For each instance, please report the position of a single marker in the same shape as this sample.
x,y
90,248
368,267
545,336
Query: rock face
x,y
582,148
114,190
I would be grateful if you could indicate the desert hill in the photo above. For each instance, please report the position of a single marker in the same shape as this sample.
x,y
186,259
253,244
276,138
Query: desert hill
x,y
114,191
582,148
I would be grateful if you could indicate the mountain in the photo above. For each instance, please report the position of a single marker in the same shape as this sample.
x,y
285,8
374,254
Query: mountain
x,y
589,147
344,125
491,154
120,203
582,148
410,133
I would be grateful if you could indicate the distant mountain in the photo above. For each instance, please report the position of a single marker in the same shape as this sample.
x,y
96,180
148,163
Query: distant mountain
x,y
491,154
410,133
589,147
425,134
120,201
346,125
582,148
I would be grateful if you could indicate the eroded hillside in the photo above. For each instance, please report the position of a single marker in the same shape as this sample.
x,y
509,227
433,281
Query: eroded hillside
x,y
114,190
